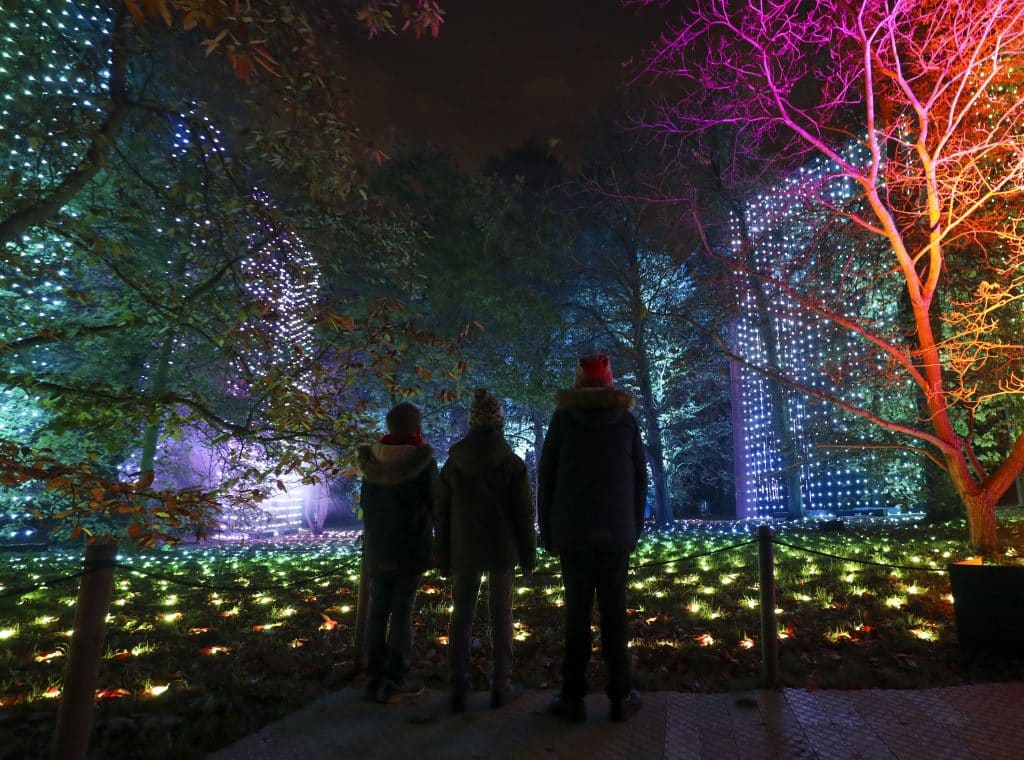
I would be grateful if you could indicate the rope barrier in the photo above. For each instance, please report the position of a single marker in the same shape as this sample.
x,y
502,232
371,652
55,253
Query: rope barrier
x,y
690,557
23,590
659,563
93,566
858,561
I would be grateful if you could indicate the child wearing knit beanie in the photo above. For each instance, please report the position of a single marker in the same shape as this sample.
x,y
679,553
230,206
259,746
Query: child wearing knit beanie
x,y
484,525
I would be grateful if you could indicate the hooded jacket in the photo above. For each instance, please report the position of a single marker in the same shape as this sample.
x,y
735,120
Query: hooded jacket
x,y
397,497
483,508
593,473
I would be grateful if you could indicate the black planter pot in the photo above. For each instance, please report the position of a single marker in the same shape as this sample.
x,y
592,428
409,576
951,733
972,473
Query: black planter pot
x,y
988,602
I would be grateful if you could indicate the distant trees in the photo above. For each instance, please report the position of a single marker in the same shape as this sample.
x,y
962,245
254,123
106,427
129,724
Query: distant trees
x,y
916,106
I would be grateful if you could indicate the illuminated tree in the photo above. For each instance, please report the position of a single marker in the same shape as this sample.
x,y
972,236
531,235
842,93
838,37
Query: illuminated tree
x,y
929,92
142,278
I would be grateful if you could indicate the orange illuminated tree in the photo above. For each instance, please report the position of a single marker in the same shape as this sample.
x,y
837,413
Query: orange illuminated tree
x,y
916,107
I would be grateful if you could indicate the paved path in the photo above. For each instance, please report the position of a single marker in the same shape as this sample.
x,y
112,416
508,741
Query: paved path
x,y
980,721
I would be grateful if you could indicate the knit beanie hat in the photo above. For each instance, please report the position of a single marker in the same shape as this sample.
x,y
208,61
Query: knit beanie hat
x,y
594,372
486,410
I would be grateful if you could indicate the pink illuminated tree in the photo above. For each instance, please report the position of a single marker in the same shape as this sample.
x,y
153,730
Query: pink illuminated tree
x,y
915,106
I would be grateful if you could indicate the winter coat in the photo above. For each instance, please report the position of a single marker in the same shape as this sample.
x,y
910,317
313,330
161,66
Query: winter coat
x,y
397,499
483,508
593,473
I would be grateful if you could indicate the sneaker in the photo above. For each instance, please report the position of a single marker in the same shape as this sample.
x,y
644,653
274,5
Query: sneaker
x,y
458,702
626,707
571,710
396,692
502,697
374,691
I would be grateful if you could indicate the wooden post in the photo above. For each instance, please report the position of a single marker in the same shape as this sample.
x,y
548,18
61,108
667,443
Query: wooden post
x,y
78,696
769,622
362,605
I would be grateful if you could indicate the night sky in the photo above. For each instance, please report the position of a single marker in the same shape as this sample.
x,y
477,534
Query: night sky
x,y
499,74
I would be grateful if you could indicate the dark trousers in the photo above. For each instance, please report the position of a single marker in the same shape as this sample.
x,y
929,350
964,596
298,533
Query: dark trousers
x,y
585,573
465,591
389,627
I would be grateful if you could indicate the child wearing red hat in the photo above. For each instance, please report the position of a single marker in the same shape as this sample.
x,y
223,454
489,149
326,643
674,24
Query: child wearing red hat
x,y
591,495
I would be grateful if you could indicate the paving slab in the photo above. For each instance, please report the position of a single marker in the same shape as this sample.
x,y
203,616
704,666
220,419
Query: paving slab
x,y
978,722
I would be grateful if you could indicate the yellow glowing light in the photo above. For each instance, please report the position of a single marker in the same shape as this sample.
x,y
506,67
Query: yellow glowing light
x,y
442,640
923,633
747,643
49,656
346,608
287,612
170,617
8,633
215,650
170,601
156,691
750,603
45,620
705,639
895,601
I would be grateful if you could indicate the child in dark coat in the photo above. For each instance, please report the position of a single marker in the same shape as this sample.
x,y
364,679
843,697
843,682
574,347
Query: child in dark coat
x,y
397,501
592,491
484,521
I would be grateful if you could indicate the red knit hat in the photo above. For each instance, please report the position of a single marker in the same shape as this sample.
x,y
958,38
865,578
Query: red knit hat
x,y
594,372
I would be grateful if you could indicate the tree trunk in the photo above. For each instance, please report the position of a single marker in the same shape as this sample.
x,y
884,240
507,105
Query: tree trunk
x,y
981,522
538,446
78,696
655,448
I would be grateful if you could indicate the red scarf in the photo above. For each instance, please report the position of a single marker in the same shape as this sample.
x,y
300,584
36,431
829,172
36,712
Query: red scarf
x,y
409,439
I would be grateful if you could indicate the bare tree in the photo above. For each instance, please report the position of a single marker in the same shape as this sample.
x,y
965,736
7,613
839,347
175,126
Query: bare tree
x,y
915,104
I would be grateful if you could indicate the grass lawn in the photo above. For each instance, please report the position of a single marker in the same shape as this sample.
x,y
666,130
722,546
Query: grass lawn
x,y
191,669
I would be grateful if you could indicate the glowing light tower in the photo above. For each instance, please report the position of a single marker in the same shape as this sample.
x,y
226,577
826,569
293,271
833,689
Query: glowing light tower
x,y
282,276
281,280
777,332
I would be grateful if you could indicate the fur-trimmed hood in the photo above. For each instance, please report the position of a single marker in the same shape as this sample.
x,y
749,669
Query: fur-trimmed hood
x,y
390,464
594,406
572,399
